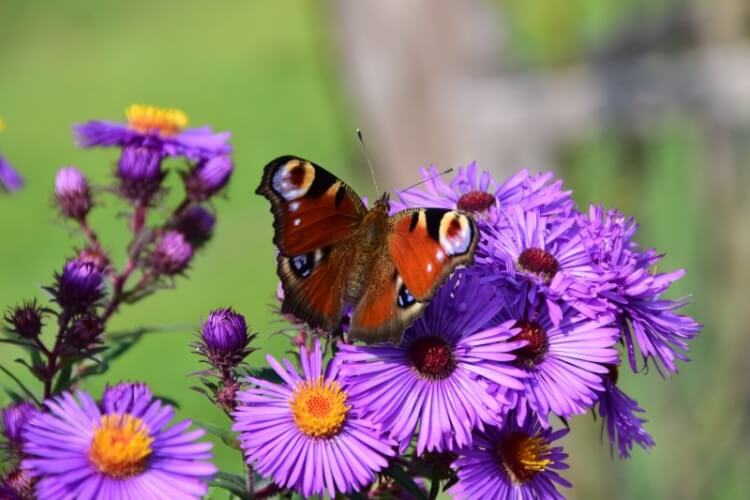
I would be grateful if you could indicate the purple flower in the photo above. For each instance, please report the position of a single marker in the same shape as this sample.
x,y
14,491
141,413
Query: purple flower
x,y
25,320
516,461
172,254
123,397
634,291
564,363
196,224
306,434
72,193
14,418
77,450
79,286
208,177
224,339
10,180
139,172
478,193
438,378
157,128
547,253
619,413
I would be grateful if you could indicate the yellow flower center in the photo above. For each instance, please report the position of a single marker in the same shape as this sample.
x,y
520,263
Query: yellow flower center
x,y
523,456
152,119
319,408
2,124
121,446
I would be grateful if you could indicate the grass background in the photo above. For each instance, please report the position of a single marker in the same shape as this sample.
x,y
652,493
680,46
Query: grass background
x,y
266,71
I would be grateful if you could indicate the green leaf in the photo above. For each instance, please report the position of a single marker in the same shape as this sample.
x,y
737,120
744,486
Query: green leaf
x,y
22,343
233,483
63,379
227,437
405,480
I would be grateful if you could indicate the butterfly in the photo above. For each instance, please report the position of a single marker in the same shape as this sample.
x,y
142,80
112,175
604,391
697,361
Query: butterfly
x,y
336,256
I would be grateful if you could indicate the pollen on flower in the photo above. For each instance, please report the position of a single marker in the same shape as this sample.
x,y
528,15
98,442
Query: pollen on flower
x,y
475,201
165,121
523,456
319,408
121,446
539,262
534,351
432,357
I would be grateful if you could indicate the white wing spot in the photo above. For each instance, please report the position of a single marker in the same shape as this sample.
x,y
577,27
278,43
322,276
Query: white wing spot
x,y
429,268
294,206
297,221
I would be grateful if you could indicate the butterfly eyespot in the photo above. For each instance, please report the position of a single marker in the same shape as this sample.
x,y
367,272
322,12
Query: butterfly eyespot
x,y
456,233
293,180
405,298
302,265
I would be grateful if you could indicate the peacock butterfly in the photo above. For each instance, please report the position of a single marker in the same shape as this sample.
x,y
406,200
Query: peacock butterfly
x,y
336,255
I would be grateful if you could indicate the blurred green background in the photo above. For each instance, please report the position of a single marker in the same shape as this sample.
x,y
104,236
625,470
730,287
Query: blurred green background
x,y
271,73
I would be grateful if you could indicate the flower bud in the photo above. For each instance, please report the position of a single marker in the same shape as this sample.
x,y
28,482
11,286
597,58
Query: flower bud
x,y
121,397
72,193
196,224
224,338
140,173
10,180
208,177
14,417
25,320
85,331
172,254
94,256
78,287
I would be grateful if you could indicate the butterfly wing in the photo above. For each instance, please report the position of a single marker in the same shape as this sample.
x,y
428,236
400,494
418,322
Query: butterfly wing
x,y
427,244
315,215
386,308
312,208
423,247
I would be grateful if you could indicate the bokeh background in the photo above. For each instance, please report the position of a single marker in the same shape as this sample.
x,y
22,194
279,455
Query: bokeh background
x,y
639,104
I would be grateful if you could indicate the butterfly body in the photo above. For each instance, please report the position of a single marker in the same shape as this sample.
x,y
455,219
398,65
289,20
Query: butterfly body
x,y
337,257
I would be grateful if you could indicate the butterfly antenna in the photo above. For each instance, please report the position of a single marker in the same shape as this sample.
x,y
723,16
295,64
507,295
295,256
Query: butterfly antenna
x,y
446,171
367,157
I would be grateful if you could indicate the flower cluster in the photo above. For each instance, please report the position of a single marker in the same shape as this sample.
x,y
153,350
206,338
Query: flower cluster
x,y
533,333
53,445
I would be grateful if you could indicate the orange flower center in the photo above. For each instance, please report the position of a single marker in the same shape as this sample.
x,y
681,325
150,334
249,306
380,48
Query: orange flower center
x,y
121,446
150,119
523,456
319,408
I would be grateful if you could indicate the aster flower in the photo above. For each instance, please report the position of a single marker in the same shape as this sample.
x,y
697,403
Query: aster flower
x,y
10,180
547,253
77,450
478,192
634,291
208,177
14,418
72,193
516,461
157,128
78,287
196,224
139,172
224,339
620,415
564,363
172,254
306,434
25,320
438,378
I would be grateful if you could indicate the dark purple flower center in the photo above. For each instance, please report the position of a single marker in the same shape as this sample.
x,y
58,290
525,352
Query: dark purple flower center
x,y
532,353
432,357
539,262
475,201
613,374
25,320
